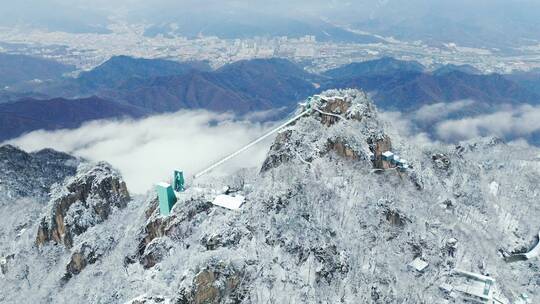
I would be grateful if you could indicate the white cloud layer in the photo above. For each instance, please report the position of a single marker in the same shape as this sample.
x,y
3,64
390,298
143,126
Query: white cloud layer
x,y
515,122
147,151
427,116
437,111
459,120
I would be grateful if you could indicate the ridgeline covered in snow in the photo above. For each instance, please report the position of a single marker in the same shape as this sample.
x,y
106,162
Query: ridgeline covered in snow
x,y
325,219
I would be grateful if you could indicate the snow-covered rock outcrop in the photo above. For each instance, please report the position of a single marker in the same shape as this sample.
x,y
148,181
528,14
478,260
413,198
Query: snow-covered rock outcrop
x,y
32,175
85,201
348,129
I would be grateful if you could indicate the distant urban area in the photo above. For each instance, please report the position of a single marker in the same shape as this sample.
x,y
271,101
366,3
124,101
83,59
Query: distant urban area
x,y
88,50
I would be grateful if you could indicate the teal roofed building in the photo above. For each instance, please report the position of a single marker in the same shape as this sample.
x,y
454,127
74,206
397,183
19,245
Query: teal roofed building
x,y
178,181
167,198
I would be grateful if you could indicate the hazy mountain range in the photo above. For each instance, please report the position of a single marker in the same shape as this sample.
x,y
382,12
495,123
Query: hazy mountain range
x,y
15,69
125,86
120,69
405,86
494,24
28,114
234,25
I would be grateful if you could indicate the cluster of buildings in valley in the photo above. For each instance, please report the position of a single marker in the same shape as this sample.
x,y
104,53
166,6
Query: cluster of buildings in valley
x,y
88,50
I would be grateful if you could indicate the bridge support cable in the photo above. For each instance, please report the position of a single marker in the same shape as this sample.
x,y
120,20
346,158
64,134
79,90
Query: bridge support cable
x,y
251,144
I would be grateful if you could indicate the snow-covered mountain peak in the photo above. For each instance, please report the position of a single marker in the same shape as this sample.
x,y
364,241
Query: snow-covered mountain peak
x,y
343,210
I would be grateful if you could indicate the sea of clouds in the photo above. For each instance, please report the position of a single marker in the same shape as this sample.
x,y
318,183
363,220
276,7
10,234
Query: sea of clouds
x,y
466,119
147,151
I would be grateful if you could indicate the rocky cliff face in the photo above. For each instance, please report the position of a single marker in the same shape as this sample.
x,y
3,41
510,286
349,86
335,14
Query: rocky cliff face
x,y
342,123
85,201
319,224
82,196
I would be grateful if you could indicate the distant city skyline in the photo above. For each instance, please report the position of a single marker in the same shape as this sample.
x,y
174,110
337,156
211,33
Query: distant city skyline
x,y
87,50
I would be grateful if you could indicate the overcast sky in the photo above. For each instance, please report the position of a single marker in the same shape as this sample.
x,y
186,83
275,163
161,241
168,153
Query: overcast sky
x,y
478,23
352,9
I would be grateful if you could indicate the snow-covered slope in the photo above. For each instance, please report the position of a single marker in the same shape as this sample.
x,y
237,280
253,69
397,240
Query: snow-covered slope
x,y
325,220
32,174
